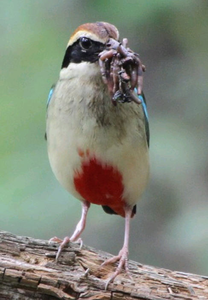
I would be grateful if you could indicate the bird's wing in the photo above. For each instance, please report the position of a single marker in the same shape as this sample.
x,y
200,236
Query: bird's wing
x,y
146,117
48,101
50,94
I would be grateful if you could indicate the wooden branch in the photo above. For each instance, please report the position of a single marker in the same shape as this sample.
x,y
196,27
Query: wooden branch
x,y
28,271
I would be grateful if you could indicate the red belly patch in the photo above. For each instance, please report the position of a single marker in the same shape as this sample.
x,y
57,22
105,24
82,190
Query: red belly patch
x,y
100,184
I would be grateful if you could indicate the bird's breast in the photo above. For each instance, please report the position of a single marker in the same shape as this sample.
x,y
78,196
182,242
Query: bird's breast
x,y
97,151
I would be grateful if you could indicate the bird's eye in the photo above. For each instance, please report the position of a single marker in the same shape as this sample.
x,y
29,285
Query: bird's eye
x,y
85,43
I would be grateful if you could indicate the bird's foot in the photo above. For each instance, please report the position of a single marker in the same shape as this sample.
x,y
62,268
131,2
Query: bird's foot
x,y
122,258
64,243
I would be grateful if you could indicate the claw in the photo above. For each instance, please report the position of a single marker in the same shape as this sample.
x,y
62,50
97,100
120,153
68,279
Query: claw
x,y
80,242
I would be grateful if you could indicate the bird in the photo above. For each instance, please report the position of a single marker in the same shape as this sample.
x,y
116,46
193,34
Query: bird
x,y
97,151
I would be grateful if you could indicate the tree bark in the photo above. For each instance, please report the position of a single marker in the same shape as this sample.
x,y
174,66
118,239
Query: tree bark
x,y
28,271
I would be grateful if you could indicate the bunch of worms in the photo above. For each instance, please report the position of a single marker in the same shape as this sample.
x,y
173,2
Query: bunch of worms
x,y
122,71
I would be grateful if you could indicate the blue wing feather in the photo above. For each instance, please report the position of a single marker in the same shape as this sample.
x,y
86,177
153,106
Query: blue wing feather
x,y
146,117
48,101
50,94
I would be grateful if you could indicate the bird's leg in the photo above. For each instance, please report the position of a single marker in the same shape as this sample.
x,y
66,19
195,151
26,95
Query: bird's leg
x,y
122,257
78,230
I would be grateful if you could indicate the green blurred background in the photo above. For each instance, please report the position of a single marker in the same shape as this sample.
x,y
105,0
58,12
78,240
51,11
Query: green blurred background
x,y
171,226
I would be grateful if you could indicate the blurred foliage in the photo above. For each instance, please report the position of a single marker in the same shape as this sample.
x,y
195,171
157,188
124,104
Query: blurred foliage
x,y
171,226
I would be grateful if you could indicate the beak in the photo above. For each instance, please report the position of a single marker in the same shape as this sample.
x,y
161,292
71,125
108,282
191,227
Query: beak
x,y
112,44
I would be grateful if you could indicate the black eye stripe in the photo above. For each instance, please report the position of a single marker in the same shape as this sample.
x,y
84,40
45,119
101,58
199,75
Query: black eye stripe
x,y
77,53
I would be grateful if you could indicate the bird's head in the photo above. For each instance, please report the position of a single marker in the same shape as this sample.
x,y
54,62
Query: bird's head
x,y
87,41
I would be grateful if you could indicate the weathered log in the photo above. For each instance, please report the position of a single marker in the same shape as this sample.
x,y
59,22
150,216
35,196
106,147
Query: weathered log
x,y
28,271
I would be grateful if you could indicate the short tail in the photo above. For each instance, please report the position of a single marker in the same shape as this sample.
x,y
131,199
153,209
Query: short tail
x,y
110,211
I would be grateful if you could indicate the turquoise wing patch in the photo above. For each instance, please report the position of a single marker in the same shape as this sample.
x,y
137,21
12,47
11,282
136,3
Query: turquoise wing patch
x,y
146,117
50,95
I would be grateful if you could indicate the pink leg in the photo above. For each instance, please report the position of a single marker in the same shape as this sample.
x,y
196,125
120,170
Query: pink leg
x,y
78,230
122,257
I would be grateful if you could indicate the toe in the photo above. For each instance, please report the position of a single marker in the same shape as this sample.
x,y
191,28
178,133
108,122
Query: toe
x,y
55,240
111,260
63,244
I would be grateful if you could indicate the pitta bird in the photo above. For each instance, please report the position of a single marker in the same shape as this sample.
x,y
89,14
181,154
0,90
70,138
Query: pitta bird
x,y
97,151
